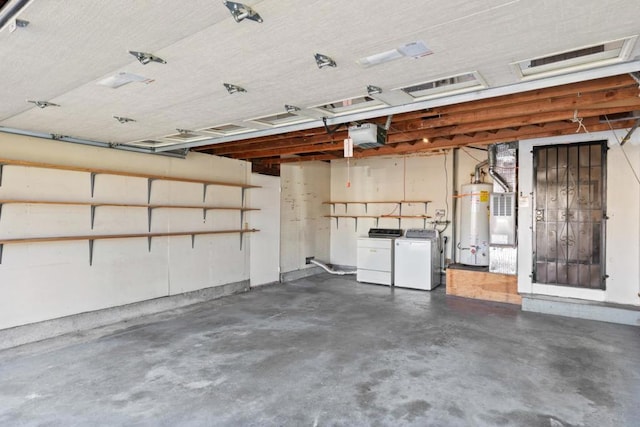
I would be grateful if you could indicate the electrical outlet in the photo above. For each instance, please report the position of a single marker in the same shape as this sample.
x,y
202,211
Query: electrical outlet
x,y
308,259
440,212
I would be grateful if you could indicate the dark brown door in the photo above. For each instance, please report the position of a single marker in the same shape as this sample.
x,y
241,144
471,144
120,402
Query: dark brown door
x,y
569,214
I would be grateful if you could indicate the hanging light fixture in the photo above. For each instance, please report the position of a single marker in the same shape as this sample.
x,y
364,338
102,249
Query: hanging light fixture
x,y
42,104
123,120
231,88
324,61
145,57
241,12
373,90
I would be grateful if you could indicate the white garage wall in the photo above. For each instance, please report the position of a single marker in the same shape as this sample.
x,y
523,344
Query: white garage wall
x,y
265,245
393,178
41,281
304,229
623,227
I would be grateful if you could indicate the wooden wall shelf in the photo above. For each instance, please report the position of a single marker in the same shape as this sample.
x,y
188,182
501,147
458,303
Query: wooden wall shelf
x,y
378,217
149,206
399,217
333,203
92,238
150,177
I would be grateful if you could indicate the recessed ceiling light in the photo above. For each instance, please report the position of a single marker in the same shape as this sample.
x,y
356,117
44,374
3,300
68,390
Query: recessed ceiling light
x,y
231,88
123,120
241,11
43,104
324,61
145,58
122,79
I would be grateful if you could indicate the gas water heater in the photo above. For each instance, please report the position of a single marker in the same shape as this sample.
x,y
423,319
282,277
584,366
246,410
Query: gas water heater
x,y
474,224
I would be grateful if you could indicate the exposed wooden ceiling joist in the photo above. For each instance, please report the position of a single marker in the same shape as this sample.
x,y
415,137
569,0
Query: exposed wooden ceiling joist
x,y
534,114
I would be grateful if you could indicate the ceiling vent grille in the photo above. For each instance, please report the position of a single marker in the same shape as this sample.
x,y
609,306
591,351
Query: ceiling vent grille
x,y
280,119
445,86
576,59
351,105
150,143
226,129
186,136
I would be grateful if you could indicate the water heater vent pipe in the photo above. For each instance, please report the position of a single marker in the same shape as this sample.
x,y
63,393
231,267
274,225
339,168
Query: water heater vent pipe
x,y
495,175
478,171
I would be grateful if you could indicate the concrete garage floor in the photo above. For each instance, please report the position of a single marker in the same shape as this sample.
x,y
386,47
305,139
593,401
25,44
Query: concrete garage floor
x,y
329,351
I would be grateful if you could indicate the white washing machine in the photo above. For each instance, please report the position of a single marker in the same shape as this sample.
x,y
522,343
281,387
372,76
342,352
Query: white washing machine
x,y
417,260
375,256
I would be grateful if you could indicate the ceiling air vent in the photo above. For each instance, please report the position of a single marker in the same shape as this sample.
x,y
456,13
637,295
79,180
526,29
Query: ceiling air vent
x,y
228,129
351,105
280,119
576,59
150,143
445,86
185,136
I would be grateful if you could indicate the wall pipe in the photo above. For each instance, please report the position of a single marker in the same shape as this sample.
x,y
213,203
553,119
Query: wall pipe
x,y
478,171
454,205
330,270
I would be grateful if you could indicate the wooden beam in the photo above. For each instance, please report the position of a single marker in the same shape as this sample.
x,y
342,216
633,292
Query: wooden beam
x,y
609,83
529,132
625,96
508,122
313,148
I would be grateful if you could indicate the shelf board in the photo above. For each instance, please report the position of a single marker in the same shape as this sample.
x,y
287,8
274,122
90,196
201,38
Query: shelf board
x,y
92,237
406,216
346,202
126,205
352,216
120,236
98,171
380,216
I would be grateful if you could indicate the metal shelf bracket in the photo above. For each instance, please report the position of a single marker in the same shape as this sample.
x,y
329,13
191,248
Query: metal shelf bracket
x,y
93,182
90,252
204,192
149,182
93,215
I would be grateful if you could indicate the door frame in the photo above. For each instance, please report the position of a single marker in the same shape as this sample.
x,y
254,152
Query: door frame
x,y
603,225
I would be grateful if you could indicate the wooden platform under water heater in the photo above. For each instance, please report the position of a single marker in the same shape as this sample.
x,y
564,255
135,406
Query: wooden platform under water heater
x,y
479,284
